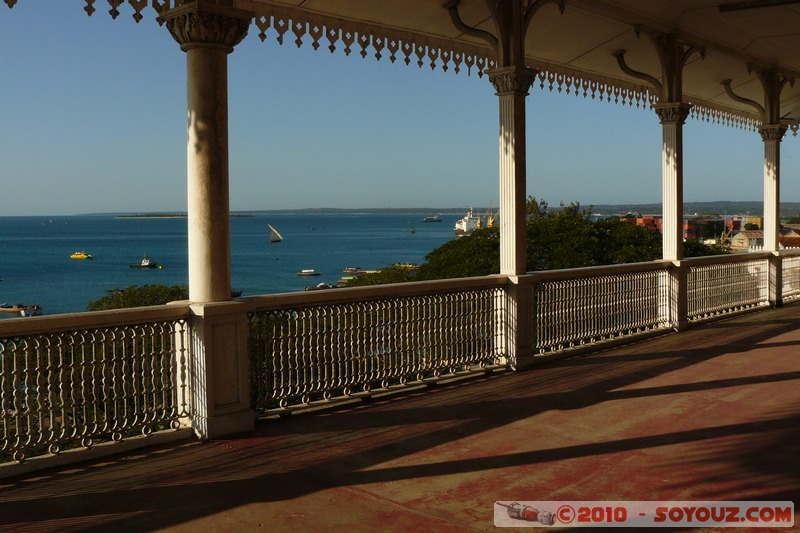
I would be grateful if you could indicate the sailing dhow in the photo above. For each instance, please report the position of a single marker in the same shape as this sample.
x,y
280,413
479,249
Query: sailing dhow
x,y
274,235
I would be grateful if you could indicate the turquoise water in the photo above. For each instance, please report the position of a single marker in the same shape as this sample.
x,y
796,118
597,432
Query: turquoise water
x,y
35,267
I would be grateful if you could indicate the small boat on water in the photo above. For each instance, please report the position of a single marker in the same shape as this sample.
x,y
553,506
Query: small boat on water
x,y
146,262
80,255
274,235
320,287
21,309
309,272
434,218
356,271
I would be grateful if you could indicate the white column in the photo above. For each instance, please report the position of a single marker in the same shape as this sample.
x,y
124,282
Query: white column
x,y
672,116
217,373
207,170
512,84
772,135
208,33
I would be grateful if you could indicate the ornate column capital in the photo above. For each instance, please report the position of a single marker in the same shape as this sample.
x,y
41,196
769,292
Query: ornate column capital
x,y
207,24
512,79
672,112
772,132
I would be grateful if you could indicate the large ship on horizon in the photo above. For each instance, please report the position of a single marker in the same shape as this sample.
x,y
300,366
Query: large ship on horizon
x,y
471,222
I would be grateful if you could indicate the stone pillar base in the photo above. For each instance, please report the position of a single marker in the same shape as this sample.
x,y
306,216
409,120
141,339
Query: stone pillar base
x,y
224,425
219,370
518,325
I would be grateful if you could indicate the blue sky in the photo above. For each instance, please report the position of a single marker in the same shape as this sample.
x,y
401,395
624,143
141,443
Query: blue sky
x,y
92,119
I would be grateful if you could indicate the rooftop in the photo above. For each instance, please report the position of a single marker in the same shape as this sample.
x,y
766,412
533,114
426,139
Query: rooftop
x,y
712,413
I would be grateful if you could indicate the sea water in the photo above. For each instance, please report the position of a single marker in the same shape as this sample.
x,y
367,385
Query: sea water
x,y
36,268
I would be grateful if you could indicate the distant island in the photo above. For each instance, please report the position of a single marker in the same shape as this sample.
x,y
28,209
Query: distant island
x,y
170,215
716,208
153,215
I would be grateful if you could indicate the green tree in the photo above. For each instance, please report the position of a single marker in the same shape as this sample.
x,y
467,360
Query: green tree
x,y
751,226
477,254
623,242
563,239
536,208
135,296
693,248
391,274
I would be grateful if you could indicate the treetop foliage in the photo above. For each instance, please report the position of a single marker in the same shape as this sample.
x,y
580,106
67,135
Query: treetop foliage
x,y
135,296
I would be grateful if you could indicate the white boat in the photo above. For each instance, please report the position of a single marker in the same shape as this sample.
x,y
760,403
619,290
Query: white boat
x,y
471,222
146,262
468,224
274,235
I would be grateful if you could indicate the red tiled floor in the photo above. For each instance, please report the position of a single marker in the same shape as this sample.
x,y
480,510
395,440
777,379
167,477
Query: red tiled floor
x,y
709,414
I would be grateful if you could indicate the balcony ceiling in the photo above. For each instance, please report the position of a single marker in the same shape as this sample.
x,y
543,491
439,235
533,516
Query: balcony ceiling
x,y
764,34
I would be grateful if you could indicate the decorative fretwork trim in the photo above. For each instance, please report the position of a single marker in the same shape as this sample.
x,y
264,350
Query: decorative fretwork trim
x,y
276,21
594,86
380,41
718,114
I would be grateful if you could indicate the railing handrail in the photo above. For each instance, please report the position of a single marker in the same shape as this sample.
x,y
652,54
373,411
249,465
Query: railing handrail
x,y
742,257
375,292
92,319
595,271
789,252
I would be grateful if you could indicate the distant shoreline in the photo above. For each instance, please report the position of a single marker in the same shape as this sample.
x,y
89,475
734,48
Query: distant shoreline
x,y
163,215
154,215
753,208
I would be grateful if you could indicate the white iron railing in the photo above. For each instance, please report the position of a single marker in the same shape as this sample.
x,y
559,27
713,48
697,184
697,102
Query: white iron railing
x,y
74,380
721,285
583,306
355,341
790,280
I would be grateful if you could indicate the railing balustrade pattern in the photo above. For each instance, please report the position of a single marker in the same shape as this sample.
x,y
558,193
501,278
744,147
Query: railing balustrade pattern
x,y
600,305
790,266
727,284
66,389
303,354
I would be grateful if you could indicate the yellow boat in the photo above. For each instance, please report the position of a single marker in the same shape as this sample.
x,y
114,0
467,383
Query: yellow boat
x,y
80,255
